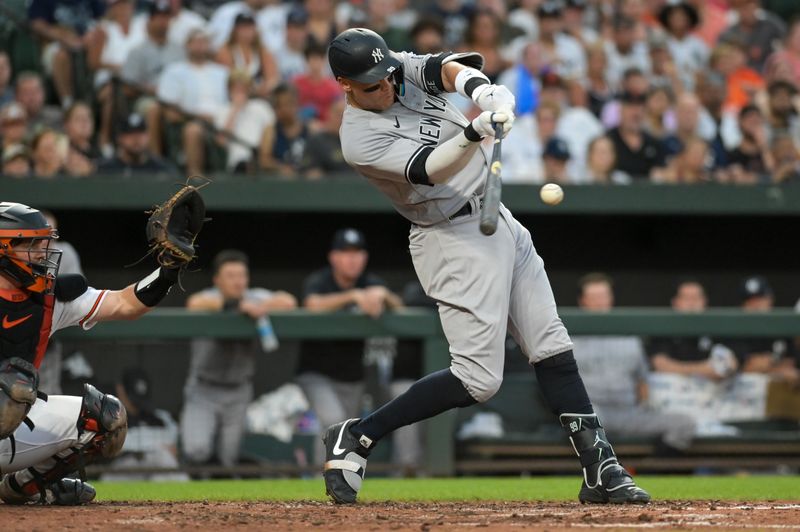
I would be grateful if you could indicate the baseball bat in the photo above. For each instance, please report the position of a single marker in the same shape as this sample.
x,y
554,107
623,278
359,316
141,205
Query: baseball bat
x,y
494,187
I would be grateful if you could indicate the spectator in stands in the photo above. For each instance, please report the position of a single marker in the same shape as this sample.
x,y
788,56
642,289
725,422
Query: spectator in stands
x,y
48,153
691,165
64,25
634,82
787,159
250,121
638,154
427,36
244,51
758,30
15,161
290,55
291,132
771,356
615,369
322,27
133,158
146,62
316,88
601,161
555,157
784,64
688,51
108,47
522,152
331,373
482,35
323,153
30,95
710,88
523,19
79,128
751,161
575,23
658,112
562,53
624,51
523,79
687,123
782,112
743,83
379,19
221,23
13,124
220,382
702,357
664,72
598,88
182,21
195,89
453,14
152,438
6,90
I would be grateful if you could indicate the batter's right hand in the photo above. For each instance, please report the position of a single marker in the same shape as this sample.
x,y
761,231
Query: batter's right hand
x,y
484,123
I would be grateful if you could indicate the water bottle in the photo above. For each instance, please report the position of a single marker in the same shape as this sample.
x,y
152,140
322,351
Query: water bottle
x,y
269,342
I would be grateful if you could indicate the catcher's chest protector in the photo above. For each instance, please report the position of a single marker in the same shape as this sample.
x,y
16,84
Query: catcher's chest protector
x,y
25,322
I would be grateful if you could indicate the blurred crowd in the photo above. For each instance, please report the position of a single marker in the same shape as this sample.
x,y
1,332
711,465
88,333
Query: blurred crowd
x,y
608,91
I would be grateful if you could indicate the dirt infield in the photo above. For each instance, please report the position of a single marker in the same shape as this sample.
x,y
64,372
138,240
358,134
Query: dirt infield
x,y
683,515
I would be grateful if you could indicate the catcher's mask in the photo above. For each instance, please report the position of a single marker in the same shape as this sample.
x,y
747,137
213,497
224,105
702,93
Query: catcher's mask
x,y
26,256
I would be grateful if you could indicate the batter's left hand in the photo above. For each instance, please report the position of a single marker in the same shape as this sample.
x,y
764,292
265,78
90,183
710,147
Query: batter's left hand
x,y
493,97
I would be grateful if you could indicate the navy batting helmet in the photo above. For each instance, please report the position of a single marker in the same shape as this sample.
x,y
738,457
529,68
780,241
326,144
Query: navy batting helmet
x,y
361,55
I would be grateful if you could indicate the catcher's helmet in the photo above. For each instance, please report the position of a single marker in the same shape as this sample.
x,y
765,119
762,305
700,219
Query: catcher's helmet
x,y
23,260
361,55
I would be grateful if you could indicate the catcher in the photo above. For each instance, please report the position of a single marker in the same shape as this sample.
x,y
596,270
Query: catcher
x,y
44,439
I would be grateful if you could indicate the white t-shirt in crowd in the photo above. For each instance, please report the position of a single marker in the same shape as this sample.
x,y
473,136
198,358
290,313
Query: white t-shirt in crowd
x,y
249,126
200,89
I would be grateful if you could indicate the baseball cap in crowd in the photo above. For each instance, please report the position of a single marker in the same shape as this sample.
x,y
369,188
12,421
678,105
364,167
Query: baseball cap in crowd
x,y
657,41
12,112
577,4
348,238
632,97
781,85
557,149
755,286
244,18
12,151
133,124
297,17
159,7
550,8
136,383
623,22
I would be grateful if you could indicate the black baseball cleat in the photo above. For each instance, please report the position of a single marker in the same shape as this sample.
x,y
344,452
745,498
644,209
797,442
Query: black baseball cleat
x,y
615,486
345,461
604,479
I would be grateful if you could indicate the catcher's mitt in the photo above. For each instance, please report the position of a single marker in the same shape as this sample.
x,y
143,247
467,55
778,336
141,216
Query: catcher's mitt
x,y
173,227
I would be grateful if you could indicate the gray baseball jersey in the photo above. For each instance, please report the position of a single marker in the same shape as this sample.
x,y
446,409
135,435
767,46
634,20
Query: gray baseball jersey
x,y
485,286
383,147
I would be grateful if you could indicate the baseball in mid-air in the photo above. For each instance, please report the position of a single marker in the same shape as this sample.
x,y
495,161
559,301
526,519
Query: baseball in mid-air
x,y
551,194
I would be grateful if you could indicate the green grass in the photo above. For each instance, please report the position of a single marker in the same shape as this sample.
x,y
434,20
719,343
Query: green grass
x,y
744,488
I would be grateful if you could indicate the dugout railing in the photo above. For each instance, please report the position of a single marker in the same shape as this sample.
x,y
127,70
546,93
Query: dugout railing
x,y
440,451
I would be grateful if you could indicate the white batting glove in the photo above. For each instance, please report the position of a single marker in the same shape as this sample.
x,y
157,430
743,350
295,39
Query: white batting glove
x,y
493,97
484,123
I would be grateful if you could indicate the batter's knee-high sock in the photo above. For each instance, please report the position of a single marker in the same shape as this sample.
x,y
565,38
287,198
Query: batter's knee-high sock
x,y
429,396
564,390
562,385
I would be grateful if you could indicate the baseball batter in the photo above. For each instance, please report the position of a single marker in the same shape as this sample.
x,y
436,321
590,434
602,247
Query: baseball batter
x,y
404,136
44,439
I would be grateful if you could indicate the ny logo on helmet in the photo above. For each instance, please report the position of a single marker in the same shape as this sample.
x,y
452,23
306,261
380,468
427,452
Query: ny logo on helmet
x,y
377,55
